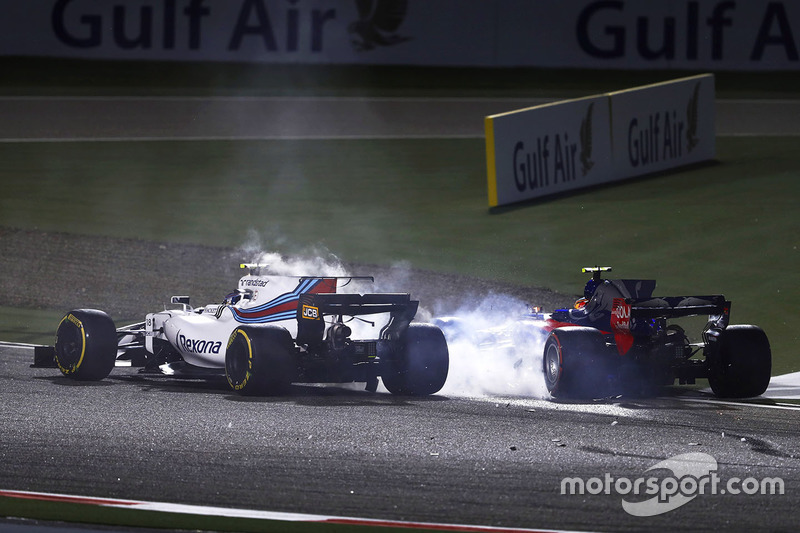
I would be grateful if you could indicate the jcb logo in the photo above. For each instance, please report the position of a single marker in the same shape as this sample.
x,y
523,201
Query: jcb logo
x,y
310,312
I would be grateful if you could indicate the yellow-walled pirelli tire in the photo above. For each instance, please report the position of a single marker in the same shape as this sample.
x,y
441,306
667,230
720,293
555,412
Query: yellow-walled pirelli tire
x,y
420,364
259,362
86,345
742,364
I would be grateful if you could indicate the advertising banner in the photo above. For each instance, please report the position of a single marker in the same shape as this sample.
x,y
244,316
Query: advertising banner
x,y
594,34
663,126
549,149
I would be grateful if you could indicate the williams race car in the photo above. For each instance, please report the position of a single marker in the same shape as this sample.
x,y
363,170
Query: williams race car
x,y
620,339
263,337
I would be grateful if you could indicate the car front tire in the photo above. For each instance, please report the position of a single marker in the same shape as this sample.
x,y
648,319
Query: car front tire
x,y
86,345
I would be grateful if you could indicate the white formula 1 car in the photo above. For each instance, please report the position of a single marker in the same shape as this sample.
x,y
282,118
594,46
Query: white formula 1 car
x,y
263,337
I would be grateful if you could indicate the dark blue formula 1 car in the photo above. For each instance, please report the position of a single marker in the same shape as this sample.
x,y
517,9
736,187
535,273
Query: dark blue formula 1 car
x,y
621,338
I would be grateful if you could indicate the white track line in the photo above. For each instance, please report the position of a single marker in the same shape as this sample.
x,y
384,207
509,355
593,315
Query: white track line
x,y
20,344
238,138
784,406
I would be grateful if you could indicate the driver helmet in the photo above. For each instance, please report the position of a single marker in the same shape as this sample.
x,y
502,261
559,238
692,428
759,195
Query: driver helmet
x,y
233,298
590,287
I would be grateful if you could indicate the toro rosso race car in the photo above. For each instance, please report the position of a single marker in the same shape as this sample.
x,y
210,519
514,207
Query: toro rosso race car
x,y
619,338
265,336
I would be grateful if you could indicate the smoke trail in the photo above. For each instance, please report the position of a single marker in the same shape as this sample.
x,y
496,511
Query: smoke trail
x,y
308,261
493,349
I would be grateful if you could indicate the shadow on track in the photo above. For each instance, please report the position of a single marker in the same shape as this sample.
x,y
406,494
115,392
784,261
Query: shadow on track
x,y
299,394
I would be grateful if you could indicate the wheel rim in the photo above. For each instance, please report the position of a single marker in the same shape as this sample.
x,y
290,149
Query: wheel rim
x,y
69,345
236,361
552,366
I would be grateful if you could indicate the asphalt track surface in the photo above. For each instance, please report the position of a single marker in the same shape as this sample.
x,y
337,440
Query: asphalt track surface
x,y
496,461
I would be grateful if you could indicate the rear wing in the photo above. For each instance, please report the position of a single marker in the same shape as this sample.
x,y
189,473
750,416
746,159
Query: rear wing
x,y
312,308
361,304
716,306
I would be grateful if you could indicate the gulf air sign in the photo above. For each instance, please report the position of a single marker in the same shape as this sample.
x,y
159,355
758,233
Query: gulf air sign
x,y
547,149
663,126
593,34
559,147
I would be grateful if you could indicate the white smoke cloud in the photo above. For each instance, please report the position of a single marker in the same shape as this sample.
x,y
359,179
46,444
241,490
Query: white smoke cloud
x,y
308,261
296,266
492,351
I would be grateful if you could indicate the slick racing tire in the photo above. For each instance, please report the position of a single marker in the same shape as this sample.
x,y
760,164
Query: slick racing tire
x,y
86,345
420,364
574,363
258,360
742,364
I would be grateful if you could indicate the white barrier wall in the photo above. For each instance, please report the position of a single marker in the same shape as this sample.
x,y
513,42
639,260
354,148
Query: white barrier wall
x,y
612,34
549,149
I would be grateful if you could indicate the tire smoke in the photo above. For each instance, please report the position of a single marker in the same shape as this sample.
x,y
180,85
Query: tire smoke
x,y
494,349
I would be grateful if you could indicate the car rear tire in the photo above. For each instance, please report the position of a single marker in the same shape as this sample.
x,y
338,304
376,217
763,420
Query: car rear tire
x,y
420,366
86,345
258,360
574,362
742,364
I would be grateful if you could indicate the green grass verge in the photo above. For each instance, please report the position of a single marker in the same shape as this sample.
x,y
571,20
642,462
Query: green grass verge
x,y
731,227
31,326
